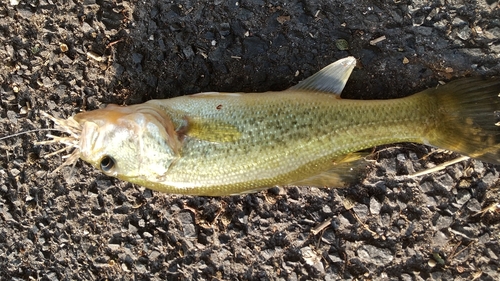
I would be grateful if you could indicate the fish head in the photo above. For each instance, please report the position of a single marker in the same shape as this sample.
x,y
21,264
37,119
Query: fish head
x,y
128,143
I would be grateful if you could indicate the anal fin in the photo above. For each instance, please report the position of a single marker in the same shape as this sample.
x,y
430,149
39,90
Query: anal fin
x,y
346,170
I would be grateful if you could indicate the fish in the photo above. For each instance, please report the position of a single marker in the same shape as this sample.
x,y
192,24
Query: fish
x,y
219,144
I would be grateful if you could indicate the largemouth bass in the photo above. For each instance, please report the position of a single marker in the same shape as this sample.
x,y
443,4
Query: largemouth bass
x,y
218,144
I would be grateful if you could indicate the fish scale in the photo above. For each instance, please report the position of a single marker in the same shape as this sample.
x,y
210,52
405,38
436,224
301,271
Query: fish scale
x,y
293,144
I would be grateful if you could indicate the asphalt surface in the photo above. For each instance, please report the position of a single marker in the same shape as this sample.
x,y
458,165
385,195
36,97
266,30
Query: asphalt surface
x,y
64,57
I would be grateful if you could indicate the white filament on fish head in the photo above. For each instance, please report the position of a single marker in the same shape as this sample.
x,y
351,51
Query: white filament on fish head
x,y
72,142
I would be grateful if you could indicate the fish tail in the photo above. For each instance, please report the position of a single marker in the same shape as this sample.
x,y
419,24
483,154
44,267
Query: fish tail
x,y
468,115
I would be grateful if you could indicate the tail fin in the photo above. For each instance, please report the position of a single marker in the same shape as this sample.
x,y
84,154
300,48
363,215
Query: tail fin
x,y
469,111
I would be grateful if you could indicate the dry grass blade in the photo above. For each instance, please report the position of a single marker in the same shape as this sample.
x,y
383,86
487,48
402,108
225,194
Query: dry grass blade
x,y
438,167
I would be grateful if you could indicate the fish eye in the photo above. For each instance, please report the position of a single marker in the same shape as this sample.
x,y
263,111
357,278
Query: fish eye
x,y
107,163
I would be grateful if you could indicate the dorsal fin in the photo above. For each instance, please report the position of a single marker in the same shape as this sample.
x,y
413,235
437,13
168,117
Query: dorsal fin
x,y
330,79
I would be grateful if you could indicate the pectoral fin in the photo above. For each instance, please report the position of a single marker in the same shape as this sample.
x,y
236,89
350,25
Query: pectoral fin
x,y
331,79
210,131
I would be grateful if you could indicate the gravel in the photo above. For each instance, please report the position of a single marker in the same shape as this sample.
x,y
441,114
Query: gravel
x,y
63,57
